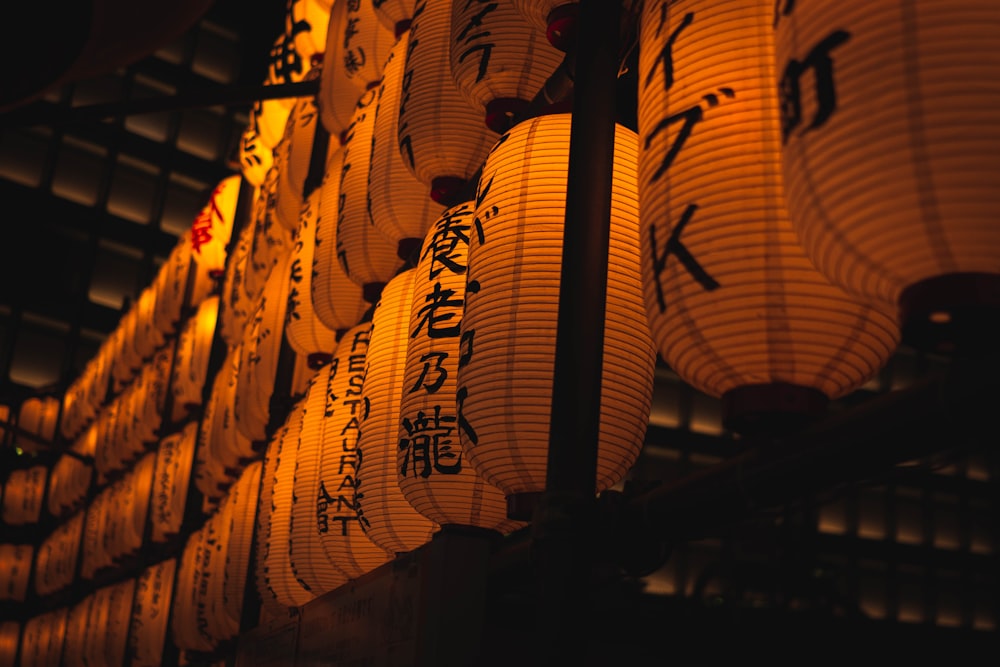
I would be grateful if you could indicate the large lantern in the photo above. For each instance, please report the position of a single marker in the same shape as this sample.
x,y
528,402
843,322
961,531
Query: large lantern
x,y
511,308
442,137
387,517
293,155
891,151
735,306
341,534
432,472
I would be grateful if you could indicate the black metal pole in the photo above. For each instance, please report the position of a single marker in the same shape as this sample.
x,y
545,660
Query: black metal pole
x,y
562,550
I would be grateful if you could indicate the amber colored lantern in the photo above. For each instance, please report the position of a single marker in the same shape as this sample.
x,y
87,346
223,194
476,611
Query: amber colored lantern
x,y
76,632
890,149
270,240
441,136
399,205
171,477
395,15
498,61
234,303
10,637
209,237
432,472
23,492
385,514
556,18
15,569
254,155
37,416
509,326
192,351
185,632
244,509
259,358
293,156
306,555
173,290
306,21
345,542
148,338
285,65
357,45
736,307
154,591
338,301
305,332
367,257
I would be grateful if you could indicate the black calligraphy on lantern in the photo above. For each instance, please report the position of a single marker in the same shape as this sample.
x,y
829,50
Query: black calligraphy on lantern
x,y
820,62
429,445
474,37
782,8
447,245
285,60
404,137
433,374
440,324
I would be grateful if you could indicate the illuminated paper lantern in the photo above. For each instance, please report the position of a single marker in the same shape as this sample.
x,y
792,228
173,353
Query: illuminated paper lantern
x,y
736,307
148,338
306,333
209,236
75,644
357,45
244,514
119,604
399,205
23,493
285,65
346,544
259,357
184,620
307,22
234,303
255,156
498,62
10,638
441,136
890,150
339,302
395,15
293,156
151,612
367,257
556,18
432,471
193,349
306,556
511,303
15,569
173,291
171,477
385,514
270,241
37,416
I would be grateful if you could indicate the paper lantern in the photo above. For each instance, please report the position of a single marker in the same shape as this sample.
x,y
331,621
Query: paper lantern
x,y
255,156
244,514
307,21
432,471
341,534
557,19
209,236
396,15
509,326
212,616
173,290
736,307
184,621
148,338
23,493
367,257
10,637
441,136
270,240
75,644
293,156
119,614
285,65
890,151
15,569
399,205
385,514
234,303
339,302
193,350
306,333
154,591
306,556
498,62
259,358
357,45
37,416
171,476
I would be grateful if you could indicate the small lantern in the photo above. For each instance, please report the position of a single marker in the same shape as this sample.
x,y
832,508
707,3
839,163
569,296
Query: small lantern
x,y
234,304
244,510
385,514
432,472
193,349
255,156
15,569
293,156
498,61
10,637
339,302
153,595
890,151
270,240
736,307
210,234
399,205
508,330
171,476
341,534
184,620
441,136
172,292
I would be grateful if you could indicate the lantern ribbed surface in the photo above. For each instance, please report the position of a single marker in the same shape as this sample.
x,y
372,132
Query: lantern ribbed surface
x,y
293,156
270,240
498,59
399,205
366,256
174,462
170,297
306,554
148,338
154,591
219,438
193,348
259,358
345,542
338,300
255,156
184,620
509,325
394,14
306,333
385,514
244,510
357,45
307,22
891,174
76,632
433,474
234,303
740,304
440,134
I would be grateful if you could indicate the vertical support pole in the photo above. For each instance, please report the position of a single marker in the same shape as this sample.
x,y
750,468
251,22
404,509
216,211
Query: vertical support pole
x,y
562,521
